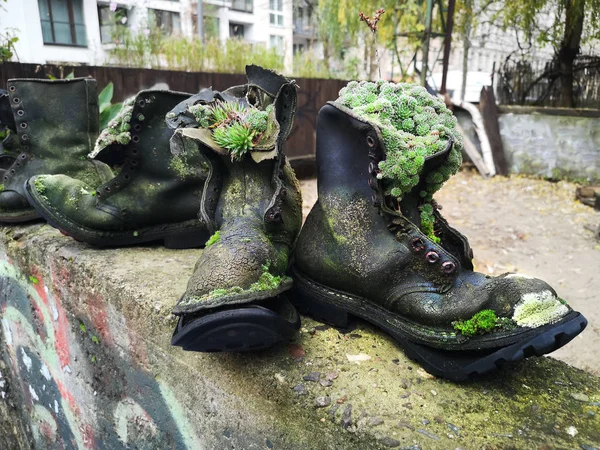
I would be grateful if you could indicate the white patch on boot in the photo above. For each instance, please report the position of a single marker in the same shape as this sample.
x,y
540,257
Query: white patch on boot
x,y
519,275
539,308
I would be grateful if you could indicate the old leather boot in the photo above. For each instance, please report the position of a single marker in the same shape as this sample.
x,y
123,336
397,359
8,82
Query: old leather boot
x,y
234,300
153,197
375,250
57,123
9,141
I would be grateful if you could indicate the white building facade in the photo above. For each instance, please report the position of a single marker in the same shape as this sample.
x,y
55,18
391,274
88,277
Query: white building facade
x,y
77,31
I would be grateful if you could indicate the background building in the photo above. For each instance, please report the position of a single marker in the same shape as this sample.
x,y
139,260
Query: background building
x,y
79,31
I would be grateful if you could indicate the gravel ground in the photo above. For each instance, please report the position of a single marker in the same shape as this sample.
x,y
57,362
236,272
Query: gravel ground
x,y
531,226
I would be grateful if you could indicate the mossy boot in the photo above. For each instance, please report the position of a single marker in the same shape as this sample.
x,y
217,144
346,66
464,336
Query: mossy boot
x,y
57,124
235,300
9,141
374,246
152,196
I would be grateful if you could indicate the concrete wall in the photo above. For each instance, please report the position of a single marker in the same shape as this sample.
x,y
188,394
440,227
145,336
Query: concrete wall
x,y
552,145
85,363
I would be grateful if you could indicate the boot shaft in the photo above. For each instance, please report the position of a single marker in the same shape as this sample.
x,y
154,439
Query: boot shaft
x,y
55,116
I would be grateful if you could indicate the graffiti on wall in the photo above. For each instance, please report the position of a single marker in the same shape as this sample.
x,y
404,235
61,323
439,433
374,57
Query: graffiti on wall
x,y
83,379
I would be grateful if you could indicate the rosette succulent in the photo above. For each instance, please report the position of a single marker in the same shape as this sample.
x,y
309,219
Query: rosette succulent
x,y
237,127
414,125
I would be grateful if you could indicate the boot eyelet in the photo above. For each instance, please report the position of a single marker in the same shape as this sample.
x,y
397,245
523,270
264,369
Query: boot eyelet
x,y
448,267
418,245
372,168
116,185
142,103
20,113
12,88
372,183
16,100
23,156
23,125
134,151
26,148
134,163
375,200
126,177
135,139
12,171
98,194
370,141
432,257
25,137
137,127
18,164
107,188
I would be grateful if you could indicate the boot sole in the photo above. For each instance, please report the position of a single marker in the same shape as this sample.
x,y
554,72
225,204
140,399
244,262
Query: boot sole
x,y
14,218
189,234
335,308
239,329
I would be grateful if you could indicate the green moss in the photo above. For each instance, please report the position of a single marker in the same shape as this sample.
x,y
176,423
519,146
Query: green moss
x,y
266,282
33,279
95,340
118,129
1,187
482,322
39,186
82,327
214,239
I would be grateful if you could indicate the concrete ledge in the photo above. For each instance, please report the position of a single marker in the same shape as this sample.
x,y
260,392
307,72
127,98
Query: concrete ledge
x,y
87,364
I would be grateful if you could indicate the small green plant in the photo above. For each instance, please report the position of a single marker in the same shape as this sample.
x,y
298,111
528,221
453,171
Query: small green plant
x,y
238,127
108,110
213,239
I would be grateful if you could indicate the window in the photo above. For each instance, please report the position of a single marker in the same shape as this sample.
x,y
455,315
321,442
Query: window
x,y
276,14
108,19
298,49
276,42
242,5
62,22
302,19
236,30
211,25
167,21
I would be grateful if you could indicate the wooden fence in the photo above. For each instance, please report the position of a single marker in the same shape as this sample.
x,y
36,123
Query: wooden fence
x,y
313,93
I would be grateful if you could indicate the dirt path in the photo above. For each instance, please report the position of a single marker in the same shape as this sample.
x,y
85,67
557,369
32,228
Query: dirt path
x,y
534,227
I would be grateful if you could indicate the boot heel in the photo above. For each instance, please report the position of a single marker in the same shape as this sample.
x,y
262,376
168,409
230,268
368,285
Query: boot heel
x,y
187,239
309,304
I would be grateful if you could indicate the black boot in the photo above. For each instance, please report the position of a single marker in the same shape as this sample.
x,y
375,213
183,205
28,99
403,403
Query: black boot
x,y
9,141
153,197
362,253
57,124
235,299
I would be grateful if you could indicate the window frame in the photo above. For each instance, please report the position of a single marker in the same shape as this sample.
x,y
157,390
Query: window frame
x,y
170,14
120,9
243,9
72,25
276,14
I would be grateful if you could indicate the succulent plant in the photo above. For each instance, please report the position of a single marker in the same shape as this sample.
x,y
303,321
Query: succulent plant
x,y
414,125
237,127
